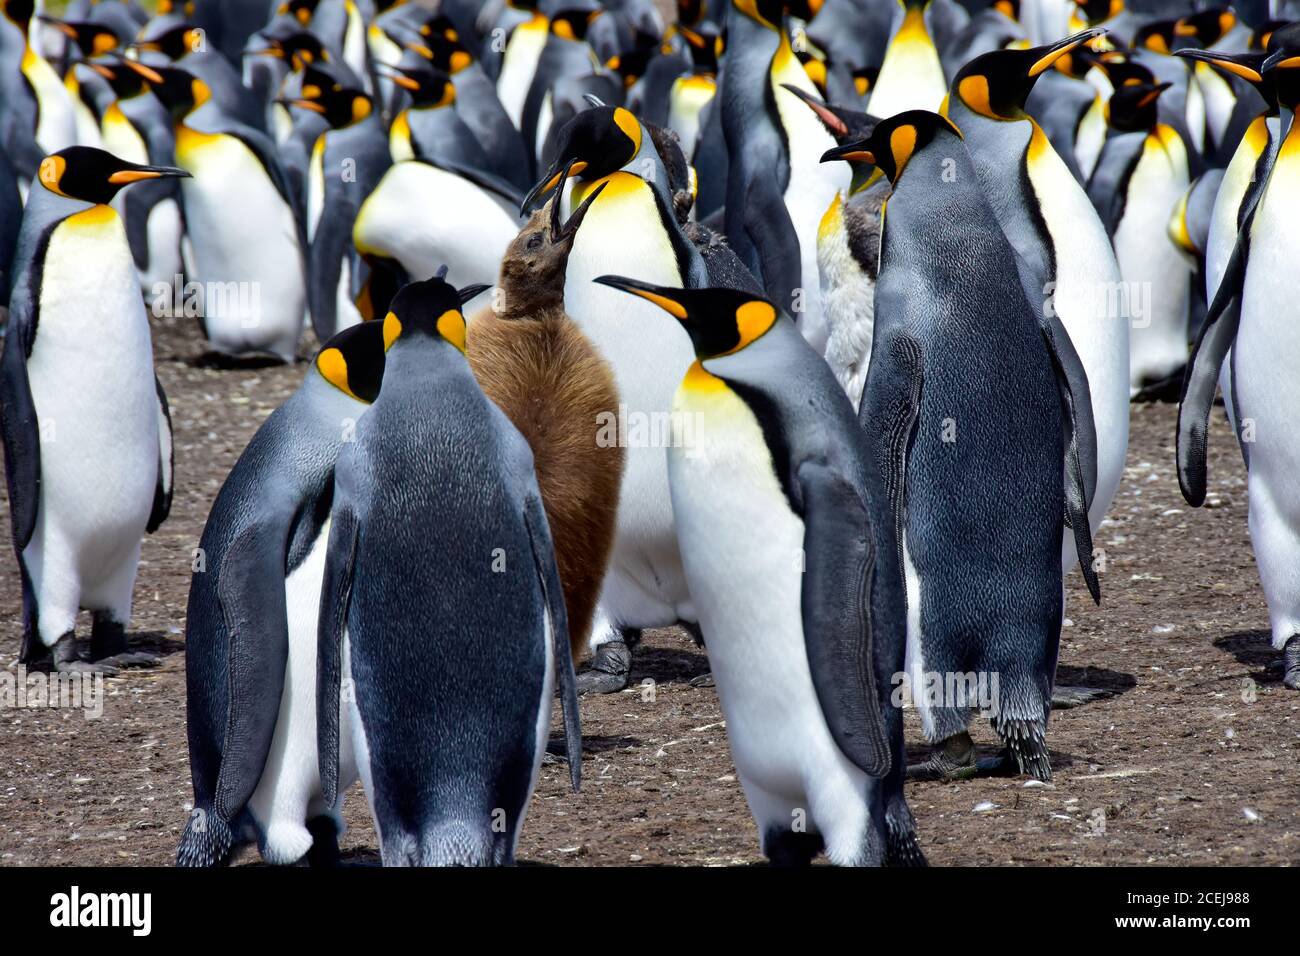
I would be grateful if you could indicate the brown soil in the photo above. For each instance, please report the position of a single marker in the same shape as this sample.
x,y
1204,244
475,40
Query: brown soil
x,y
1185,764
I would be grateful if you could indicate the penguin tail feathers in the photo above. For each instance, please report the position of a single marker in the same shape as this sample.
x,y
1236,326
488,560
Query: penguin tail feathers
x,y
207,840
901,845
1027,741
446,843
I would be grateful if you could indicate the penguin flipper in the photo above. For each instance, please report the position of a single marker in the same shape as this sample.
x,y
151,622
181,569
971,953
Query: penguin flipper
x,y
837,626
505,189
335,595
1080,445
895,407
251,593
771,230
22,443
1201,378
325,262
548,574
162,495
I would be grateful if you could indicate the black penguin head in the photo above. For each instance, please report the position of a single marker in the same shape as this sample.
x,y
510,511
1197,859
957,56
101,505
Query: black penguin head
x,y
430,309
690,12
595,143
997,84
1123,70
631,63
93,175
171,6
178,89
18,12
299,48
174,42
124,82
769,13
1206,27
719,321
706,46
1260,36
573,24
324,92
353,361
429,86
438,42
300,10
1008,8
1249,66
1158,37
1283,64
894,141
1132,107
1098,11
92,39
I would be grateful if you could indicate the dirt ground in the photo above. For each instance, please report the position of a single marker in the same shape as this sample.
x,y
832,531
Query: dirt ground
x,y
1194,760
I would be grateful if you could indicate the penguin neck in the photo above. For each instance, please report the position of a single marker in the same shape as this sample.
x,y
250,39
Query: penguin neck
x,y
532,297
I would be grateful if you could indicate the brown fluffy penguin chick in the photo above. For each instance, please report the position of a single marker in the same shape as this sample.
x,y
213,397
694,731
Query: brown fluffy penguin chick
x,y
537,366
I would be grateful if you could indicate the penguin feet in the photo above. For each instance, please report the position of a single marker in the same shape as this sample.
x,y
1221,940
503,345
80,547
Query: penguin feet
x,y
108,646
610,670
1291,660
1165,390
324,852
951,759
787,848
1063,698
697,635
66,658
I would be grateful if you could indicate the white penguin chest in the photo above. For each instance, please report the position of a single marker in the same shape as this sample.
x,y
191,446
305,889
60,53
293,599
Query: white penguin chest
x,y
1268,342
518,65
742,548
622,234
236,215
849,302
91,377
56,125
316,188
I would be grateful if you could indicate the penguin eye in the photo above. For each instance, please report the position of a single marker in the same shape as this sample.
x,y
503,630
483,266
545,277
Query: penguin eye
x,y
535,241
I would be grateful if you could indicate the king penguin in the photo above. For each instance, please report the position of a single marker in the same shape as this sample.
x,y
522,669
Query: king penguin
x,y
442,606
36,110
243,224
1057,233
783,523
776,194
251,622
523,48
1255,315
136,127
911,76
970,416
848,251
347,162
1141,175
431,126
1246,173
476,102
631,229
87,433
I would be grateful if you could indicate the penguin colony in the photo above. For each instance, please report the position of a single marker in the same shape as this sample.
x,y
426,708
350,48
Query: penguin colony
x,y
813,328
